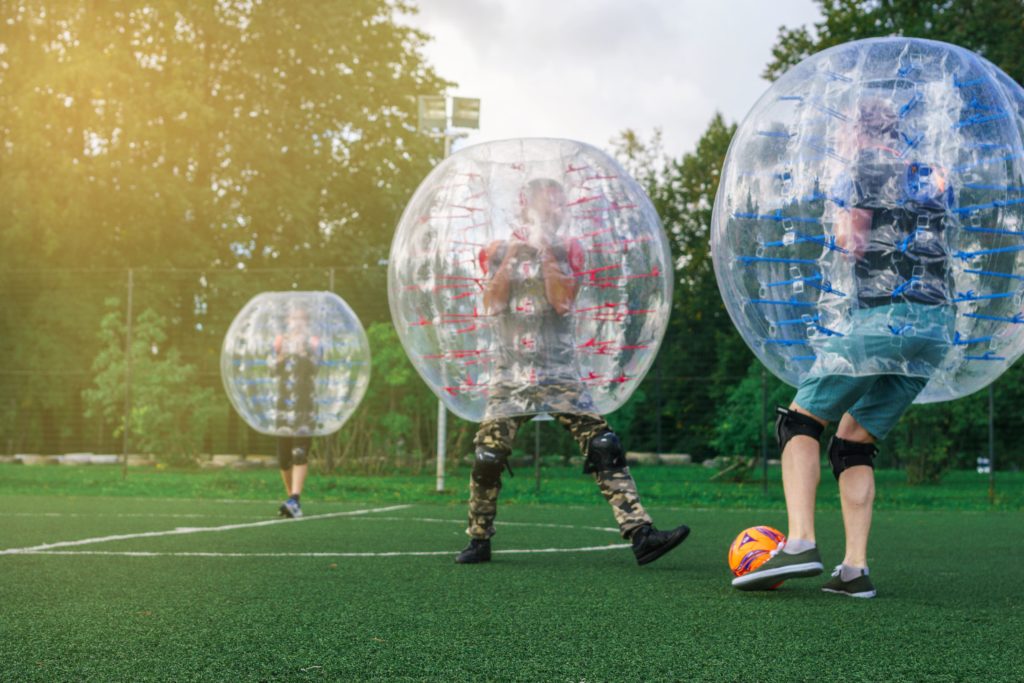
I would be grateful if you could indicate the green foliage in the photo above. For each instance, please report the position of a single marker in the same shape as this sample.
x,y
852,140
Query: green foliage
x,y
993,28
747,408
224,136
169,411
395,425
702,355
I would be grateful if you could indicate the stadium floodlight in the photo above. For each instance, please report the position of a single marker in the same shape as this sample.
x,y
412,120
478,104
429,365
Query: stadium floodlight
x,y
465,112
433,114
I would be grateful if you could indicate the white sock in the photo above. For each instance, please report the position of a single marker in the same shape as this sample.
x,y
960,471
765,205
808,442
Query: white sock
x,y
795,546
847,573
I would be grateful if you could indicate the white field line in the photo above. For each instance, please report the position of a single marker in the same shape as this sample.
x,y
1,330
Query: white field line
x,y
431,520
172,515
406,553
196,530
542,525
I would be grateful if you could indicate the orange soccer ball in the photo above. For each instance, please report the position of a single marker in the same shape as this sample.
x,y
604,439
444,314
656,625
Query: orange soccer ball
x,y
753,547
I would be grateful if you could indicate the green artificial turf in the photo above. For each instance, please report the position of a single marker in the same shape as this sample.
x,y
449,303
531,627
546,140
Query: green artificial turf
x,y
948,609
690,486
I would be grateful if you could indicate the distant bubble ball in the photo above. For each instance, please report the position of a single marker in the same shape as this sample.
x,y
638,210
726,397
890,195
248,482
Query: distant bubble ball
x,y
295,363
530,276
870,217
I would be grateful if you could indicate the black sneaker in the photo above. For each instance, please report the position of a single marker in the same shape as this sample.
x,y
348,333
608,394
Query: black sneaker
x,y
649,544
478,550
859,587
780,567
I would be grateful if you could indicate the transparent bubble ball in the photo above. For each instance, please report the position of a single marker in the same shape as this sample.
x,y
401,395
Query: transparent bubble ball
x,y
295,363
530,276
870,217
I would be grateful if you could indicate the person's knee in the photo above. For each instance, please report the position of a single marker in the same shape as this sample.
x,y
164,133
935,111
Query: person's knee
x,y
844,454
851,430
604,452
790,423
300,455
487,466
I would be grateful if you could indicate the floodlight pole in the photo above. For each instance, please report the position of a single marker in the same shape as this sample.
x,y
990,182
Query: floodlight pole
x,y
449,135
127,377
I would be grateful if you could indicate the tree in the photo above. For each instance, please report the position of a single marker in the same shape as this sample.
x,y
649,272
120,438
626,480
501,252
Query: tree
x,y
993,28
154,134
169,410
702,355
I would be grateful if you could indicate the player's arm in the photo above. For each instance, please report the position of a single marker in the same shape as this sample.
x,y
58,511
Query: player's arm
x,y
496,259
853,230
560,284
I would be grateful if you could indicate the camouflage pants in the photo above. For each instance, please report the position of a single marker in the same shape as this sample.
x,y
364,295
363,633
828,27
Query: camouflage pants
x,y
616,485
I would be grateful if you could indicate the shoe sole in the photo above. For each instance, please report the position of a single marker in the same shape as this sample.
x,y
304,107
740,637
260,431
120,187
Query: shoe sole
x,y
769,578
862,594
651,557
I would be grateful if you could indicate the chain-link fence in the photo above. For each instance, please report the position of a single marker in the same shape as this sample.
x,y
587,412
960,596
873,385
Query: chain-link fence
x,y
65,385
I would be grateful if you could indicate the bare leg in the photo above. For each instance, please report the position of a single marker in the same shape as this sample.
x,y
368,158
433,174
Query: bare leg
x,y
298,479
286,476
801,473
857,495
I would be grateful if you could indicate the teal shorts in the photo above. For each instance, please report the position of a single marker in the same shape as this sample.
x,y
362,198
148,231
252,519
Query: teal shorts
x,y
896,367
876,401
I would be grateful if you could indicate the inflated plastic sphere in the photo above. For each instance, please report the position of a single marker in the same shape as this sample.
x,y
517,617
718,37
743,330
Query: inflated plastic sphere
x,y
870,217
295,363
530,276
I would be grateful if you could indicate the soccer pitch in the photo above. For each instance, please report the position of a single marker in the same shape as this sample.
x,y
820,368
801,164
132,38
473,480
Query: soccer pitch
x,y
105,588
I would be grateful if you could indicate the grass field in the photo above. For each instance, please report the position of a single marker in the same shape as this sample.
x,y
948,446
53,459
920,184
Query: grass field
x,y
169,587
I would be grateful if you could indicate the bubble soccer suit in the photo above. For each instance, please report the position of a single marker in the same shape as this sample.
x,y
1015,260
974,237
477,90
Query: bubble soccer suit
x,y
529,277
869,218
295,365
867,240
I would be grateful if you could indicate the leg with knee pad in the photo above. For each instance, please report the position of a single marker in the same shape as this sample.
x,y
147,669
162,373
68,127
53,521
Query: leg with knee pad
x,y
300,450
487,466
790,423
604,453
845,454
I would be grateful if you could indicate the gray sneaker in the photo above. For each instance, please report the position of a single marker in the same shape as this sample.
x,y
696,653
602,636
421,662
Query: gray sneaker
x,y
860,587
779,568
291,508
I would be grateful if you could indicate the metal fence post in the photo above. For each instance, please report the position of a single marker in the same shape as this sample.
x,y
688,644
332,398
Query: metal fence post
x,y
991,446
764,436
127,377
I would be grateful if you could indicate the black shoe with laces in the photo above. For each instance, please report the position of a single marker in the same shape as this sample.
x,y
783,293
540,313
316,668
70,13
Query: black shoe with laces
x,y
649,544
478,550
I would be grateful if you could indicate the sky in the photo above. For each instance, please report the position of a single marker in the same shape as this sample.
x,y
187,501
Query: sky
x,y
588,69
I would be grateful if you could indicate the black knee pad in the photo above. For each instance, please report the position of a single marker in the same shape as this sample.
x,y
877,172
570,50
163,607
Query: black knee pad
x,y
845,454
300,455
789,423
293,451
604,452
487,466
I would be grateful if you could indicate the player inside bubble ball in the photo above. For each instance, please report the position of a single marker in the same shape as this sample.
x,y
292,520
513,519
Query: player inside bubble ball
x,y
295,361
892,218
529,292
